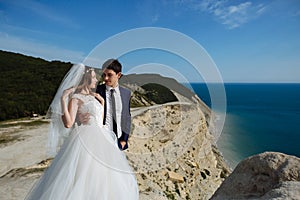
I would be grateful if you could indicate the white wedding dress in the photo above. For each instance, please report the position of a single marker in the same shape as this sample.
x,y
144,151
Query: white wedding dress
x,y
89,165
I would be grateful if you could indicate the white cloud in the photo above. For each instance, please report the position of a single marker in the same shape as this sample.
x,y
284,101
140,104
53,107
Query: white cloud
x,y
36,49
226,12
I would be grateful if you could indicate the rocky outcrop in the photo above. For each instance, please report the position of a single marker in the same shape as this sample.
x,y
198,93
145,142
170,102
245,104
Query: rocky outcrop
x,y
268,175
173,153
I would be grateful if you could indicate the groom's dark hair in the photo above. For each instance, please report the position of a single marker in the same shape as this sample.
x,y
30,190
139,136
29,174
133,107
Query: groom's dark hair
x,y
112,64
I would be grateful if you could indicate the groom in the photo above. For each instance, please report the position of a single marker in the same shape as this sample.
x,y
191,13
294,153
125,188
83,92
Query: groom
x,y
117,115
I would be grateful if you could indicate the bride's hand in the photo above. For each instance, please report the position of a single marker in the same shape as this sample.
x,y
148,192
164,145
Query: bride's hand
x,y
99,97
67,92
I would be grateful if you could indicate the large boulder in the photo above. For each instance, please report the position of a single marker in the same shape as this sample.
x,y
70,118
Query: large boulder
x,y
269,175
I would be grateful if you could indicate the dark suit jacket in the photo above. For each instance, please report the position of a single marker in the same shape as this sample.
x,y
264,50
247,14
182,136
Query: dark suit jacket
x,y
125,115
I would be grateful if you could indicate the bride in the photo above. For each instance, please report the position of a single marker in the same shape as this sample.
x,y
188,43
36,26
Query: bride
x,y
89,164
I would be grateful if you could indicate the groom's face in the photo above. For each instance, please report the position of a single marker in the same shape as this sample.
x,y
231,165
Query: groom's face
x,y
110,77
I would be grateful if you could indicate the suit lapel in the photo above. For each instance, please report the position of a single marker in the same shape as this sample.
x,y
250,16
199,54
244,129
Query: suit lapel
x,y
102,92
122,99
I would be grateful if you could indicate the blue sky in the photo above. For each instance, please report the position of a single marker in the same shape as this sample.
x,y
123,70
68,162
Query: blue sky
x,y
249,41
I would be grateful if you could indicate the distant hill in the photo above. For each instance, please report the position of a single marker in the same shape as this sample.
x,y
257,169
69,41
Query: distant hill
x,y
170,83
27,84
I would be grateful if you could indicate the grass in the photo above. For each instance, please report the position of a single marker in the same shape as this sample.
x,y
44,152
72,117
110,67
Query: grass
x,y
9,129
4,139
22,123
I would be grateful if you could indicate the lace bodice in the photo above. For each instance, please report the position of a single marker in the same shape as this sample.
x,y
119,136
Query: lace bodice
x,y
93,107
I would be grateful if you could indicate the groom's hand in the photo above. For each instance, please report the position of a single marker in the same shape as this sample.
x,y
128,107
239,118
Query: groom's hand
x,y
123,143
83,118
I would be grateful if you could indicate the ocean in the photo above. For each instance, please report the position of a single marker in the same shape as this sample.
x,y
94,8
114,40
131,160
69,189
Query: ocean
x,y
259,117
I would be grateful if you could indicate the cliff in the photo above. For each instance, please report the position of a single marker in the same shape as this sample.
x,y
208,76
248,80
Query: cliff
x,y
174,153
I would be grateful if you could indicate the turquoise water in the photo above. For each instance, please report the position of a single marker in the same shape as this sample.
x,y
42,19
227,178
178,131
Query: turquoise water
x,y
259,118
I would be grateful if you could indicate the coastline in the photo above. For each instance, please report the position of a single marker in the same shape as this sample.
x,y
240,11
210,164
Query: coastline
x,y
228,151
226,144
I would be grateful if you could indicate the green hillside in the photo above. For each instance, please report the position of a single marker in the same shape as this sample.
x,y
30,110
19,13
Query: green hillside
x,y
27,84
159,93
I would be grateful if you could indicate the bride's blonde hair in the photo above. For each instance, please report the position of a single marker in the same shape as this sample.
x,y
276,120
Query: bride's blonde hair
x,y
86,79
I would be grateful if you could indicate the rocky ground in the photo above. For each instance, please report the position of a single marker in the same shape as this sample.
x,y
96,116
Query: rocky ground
x,y
22,146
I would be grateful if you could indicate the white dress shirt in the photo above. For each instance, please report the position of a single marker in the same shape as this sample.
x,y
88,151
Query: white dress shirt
x,y
109,116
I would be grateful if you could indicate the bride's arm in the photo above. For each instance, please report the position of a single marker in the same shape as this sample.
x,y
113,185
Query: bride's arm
x,y
70,110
